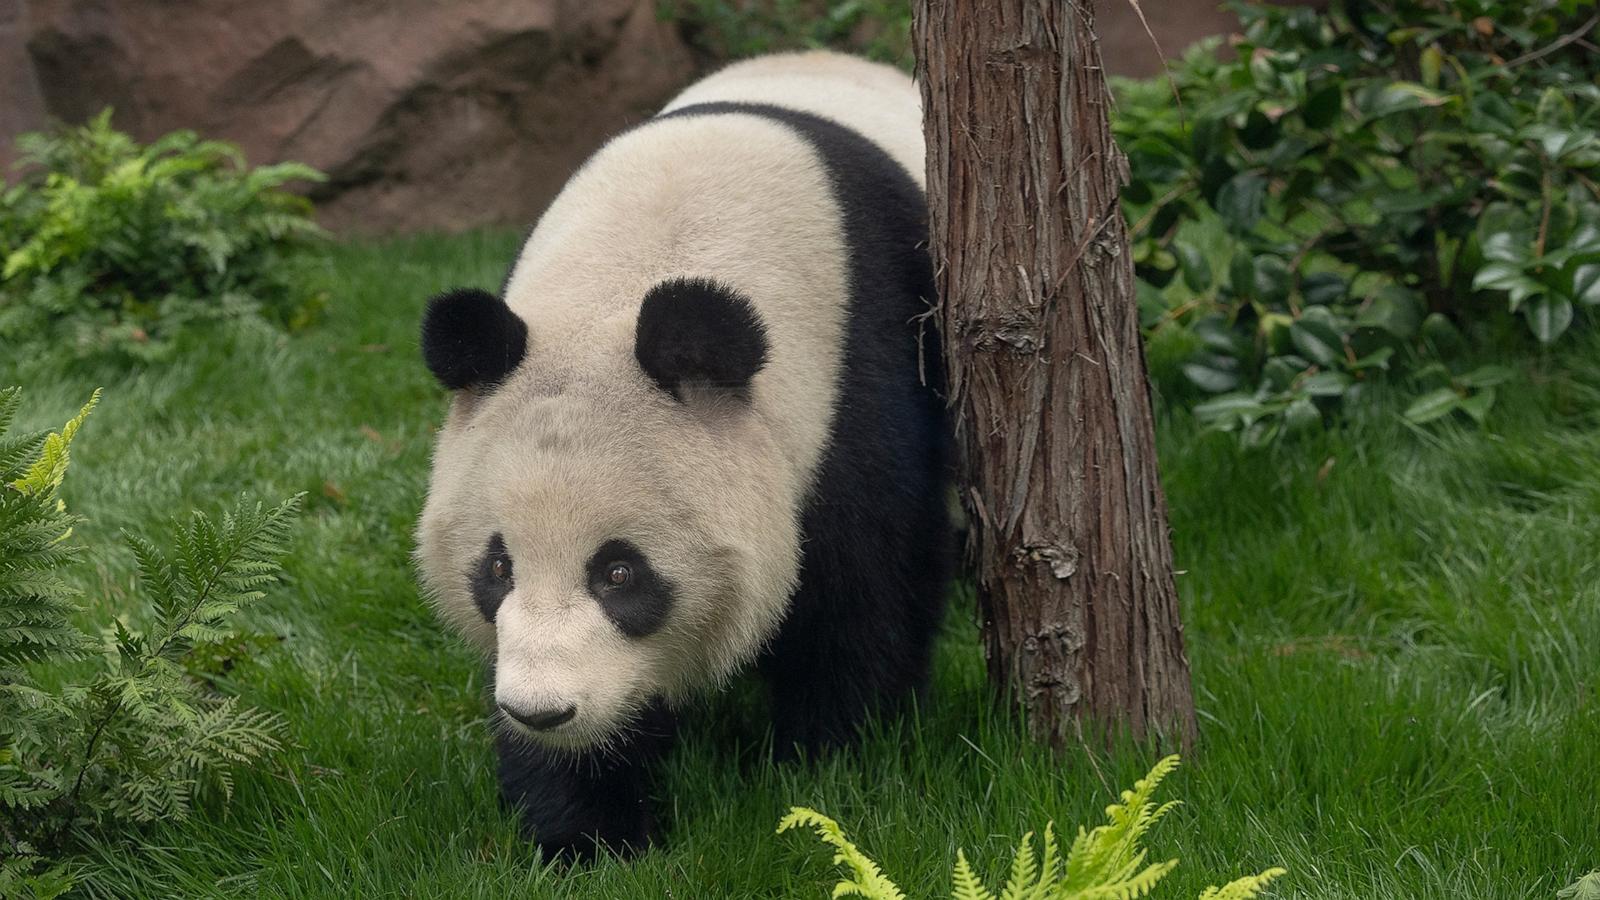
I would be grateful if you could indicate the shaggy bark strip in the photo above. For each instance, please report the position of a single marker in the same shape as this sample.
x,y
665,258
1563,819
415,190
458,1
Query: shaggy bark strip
x,y
1046,369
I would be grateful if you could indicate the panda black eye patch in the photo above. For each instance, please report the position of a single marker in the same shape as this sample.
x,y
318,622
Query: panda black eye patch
x,y
633,595
491,577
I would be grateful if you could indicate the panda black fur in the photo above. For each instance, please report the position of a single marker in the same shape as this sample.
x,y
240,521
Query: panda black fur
x,y
747,462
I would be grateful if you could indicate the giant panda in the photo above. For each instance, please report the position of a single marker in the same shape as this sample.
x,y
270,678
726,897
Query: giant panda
x,y
699,429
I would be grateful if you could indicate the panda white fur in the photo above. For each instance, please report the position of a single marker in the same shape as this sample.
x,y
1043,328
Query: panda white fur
x,y
699,428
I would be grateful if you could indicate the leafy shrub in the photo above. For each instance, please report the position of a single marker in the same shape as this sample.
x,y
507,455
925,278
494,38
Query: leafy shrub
x,y
110,246
115,726
1104,863
1373,177
732,29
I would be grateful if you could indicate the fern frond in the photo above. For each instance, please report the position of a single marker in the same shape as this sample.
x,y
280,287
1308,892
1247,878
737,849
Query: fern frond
x,y
869,881
1024,867
965,884
155,575
10,402
1126,887
1050,866
47,472
1106,863
36,603
1244,888
219,568
21,876
1109,854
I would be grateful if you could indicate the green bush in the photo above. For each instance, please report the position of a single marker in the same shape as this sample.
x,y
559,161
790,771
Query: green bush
x,y
1107,863
109,246
1355,188
732,29
119,726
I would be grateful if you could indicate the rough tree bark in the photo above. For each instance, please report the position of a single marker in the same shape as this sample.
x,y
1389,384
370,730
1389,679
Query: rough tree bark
x,y
1046,369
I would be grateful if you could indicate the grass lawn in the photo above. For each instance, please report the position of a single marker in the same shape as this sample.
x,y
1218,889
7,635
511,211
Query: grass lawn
x,y
1395,637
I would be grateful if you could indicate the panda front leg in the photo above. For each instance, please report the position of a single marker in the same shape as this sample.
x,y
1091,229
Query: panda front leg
x,y
575,805
858,638
840,658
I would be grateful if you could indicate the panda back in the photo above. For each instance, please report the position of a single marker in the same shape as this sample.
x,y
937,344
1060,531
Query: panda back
x,y
873,100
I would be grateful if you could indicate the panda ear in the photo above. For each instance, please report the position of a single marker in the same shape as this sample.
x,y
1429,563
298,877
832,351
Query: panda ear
x,y
694,331
470,338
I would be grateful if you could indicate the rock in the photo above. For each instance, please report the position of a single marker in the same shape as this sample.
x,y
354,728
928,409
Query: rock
x,y
1126,47
423,114
21,106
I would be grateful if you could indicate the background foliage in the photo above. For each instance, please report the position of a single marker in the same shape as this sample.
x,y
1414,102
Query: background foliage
x,y
1339,197
109,246
122,725
721,30
1355,190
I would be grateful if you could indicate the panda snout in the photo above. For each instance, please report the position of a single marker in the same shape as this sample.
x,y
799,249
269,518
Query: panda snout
x,y
540,720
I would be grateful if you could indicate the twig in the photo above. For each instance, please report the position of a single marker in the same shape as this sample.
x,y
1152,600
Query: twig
x,y
1556,44
1144,220
1166,65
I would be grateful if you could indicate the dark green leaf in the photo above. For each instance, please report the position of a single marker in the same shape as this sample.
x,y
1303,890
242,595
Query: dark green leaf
x,y
1507,277
1214,379
1477,404
1218,171
1487,376
1228,406
1586,285
1155,160
1242,200
1301,414
1196,268
1433,405
1394,310
1242,273
1322,107
1327,384
1401,96
1214,332
1441,334
1319,342
1510,245
1548,317
1271,280
1323,288
1554,108
1281,372
1259,131
1377,359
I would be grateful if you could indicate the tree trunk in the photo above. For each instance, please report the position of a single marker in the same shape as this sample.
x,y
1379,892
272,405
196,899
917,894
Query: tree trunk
x,y
1046,370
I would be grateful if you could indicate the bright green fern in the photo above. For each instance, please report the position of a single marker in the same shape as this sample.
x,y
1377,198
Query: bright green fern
x,y
1104,864
113,727
869,881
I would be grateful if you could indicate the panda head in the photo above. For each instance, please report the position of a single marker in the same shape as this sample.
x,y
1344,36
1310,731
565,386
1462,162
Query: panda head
x,y
602,515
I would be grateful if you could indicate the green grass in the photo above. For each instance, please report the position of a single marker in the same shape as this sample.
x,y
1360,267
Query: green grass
x,y
1395,636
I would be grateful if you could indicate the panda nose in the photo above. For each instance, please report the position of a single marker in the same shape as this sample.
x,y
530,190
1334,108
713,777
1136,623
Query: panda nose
x,y
540,720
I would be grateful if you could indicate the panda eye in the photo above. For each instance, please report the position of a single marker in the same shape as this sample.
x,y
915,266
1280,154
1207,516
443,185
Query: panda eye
x,y
501,568
619,574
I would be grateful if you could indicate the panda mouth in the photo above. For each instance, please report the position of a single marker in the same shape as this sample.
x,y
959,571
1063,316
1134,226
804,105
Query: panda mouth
x,y
541,720
569,735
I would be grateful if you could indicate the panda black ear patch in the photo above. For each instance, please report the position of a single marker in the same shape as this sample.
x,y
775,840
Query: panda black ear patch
x,y
694,330
470,338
